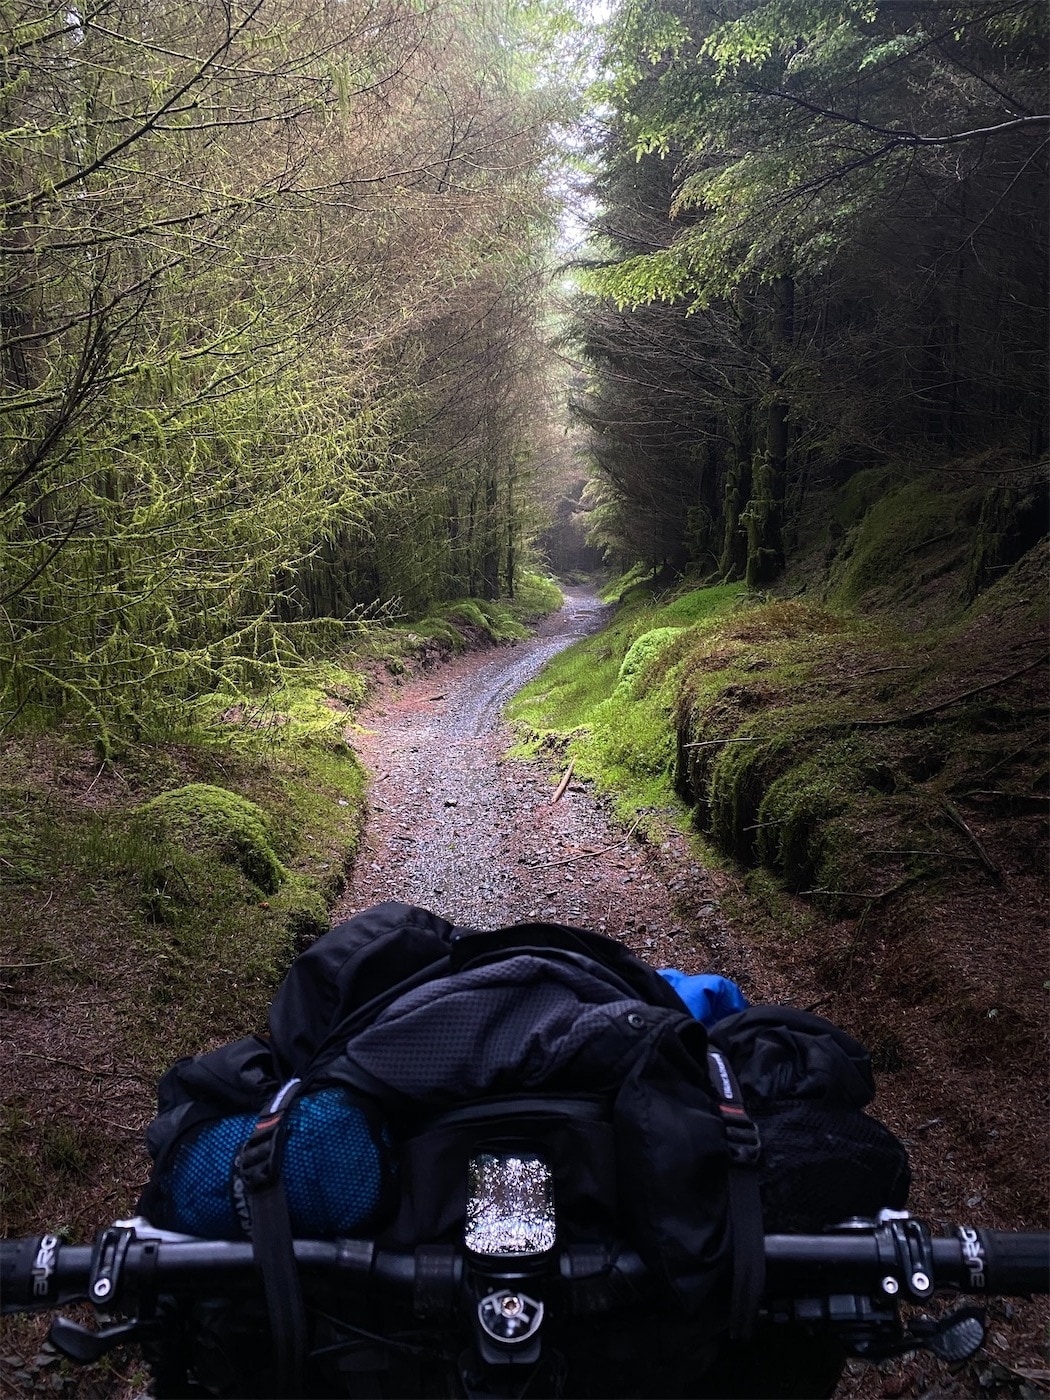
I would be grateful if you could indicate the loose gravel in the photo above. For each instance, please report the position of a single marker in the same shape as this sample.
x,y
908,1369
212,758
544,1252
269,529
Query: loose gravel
x,y
458,827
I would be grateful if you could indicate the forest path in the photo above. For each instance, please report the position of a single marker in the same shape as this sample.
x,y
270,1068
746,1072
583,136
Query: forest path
x,y
457,827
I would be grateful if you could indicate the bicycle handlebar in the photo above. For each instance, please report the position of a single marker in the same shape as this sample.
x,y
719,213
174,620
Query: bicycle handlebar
x,y
43,1272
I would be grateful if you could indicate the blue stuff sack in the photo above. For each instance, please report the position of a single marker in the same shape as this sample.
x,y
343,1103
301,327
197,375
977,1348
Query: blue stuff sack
x,y
707,996
334,1167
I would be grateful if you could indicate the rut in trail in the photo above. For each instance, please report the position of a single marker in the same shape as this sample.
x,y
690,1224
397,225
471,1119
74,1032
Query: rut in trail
x,y
457,827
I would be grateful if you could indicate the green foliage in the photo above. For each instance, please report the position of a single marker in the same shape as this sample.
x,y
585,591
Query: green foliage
x,y
207,819
241,407
759,102
642,652
535,596
490,619
607,699
902,540
807,220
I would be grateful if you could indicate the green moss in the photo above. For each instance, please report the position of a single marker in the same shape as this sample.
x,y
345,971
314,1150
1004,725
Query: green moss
x,y
492,620
467,610
905,539
311,704
607,699
793,820
208,819
535,596
300,904
432,629
699,605
167,925
631,583
644,650
317,797
784,726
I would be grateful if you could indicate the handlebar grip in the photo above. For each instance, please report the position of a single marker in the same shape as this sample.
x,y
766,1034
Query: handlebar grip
x,y
42,1271
16,1274
1012,1263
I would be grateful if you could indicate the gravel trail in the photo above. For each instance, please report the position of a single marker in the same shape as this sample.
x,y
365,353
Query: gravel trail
x,y
457,827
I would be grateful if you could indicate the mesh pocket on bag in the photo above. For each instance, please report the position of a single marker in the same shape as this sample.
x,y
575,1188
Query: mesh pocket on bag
x,y
333,1167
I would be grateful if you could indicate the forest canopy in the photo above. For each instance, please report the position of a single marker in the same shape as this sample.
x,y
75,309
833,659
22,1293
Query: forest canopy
x,y
277,316
821,247
271,285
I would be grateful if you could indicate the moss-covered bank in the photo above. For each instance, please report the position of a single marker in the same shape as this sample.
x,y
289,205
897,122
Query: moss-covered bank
x,y
829,744
151,904
152,899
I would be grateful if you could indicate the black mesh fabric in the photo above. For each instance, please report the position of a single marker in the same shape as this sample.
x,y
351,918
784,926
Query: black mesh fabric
x,y
822,1164
507,1027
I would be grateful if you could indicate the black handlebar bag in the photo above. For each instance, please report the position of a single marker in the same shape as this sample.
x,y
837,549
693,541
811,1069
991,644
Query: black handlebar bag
x,y
427,1042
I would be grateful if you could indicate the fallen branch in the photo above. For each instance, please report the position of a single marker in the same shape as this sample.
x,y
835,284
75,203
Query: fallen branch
x,y
87,1069
560,789
590,855
872,895
983,856
943,704
904,851
711,743
45,962
96,778
121,1127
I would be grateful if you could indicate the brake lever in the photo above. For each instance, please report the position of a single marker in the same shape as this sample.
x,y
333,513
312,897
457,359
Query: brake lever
x,y
954,1338
82,1345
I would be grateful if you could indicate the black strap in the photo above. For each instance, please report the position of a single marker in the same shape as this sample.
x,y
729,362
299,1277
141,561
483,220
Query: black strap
x,y
745,1202
259,1168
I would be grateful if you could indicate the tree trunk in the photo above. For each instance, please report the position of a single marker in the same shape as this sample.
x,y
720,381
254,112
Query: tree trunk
x,y
765,516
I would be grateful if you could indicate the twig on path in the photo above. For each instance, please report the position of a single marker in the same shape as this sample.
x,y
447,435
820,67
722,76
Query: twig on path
x,y
95,779
590,855
870,895
711,743
87,1069
121,1127
983,856
560,789
44,962
943,704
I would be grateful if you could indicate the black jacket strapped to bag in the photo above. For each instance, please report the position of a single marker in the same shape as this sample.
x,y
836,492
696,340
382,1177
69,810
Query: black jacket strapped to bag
x,y
432,1033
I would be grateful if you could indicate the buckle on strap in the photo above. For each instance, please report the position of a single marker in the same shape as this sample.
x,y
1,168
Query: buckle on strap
x,y
258,1162
744,1148
742,1138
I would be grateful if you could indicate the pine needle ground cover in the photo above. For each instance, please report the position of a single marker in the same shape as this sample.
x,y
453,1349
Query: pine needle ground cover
x,y
151,905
